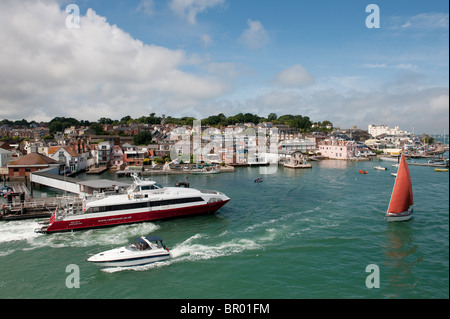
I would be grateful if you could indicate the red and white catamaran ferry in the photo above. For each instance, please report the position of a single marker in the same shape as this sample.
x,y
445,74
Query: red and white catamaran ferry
x,y
143,201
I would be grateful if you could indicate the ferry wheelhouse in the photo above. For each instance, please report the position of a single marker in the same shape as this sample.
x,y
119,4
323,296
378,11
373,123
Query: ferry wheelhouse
x,y
142,201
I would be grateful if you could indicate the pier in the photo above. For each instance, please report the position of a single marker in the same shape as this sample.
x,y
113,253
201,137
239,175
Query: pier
x,y
429,165
96,170
73,185
20,204
149,172
35,208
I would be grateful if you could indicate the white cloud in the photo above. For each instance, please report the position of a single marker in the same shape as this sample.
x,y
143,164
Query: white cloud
x,y
403,66
206,40
345,103
374,65
427,21
188,9
255,37
147,6
98,70
294,76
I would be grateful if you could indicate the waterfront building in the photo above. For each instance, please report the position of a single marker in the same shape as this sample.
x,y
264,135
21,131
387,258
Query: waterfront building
x,y
132,155
338,149
73,161
117,157
297,144
103,153
30,163
377,130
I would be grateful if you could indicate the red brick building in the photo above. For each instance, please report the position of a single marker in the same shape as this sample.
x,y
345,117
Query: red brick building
x,y
30,163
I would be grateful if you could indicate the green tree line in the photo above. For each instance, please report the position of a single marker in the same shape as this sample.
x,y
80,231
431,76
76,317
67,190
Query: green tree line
x,y
58,124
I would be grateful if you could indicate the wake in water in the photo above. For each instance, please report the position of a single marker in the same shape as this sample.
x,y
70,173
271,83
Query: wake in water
x,y
260,235
190,250
23,231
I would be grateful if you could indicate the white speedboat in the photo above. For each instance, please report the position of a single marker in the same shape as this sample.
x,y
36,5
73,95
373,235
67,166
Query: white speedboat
x,y
381,168
145,250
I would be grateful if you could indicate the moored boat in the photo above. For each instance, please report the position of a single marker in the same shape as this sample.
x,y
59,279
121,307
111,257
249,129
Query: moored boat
x,y
206,170
381,168
144,251
143,201
400,206
441,169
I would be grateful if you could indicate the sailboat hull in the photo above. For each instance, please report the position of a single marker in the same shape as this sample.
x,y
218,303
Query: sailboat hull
x,y
393,217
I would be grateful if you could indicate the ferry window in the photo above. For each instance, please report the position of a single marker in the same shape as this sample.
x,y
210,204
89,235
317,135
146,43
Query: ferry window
x,y
176,201
147,187
158,186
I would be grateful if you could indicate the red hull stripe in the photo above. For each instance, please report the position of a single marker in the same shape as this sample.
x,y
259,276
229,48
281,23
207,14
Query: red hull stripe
x,y
67,225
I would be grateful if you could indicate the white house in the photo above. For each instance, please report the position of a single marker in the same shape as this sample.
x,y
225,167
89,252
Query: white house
x,y
74,161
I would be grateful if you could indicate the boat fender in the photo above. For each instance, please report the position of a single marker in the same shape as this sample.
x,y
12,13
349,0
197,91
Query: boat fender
x,y
129,196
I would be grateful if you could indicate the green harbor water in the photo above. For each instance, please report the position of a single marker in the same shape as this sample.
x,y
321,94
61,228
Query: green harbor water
x,y
307,233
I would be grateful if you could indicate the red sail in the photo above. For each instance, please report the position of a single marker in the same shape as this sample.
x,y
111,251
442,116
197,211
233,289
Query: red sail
x,y
402,195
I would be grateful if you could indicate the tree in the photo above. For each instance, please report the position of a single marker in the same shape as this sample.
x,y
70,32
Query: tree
x,y
143,138
272,117
125,119
55,126
105,120
98,128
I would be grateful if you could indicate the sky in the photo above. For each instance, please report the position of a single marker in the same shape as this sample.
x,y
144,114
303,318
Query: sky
x,y
328,60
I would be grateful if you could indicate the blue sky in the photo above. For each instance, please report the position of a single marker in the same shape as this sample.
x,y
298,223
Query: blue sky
x,y
204,57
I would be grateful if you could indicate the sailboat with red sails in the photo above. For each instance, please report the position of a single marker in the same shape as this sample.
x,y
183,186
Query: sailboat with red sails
x,y
400,207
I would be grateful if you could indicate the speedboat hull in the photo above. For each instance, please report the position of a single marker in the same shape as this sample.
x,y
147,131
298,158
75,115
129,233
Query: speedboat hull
x,y
145,250
128,262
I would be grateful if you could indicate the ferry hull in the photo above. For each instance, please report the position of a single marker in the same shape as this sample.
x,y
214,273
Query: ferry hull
x,y
124,218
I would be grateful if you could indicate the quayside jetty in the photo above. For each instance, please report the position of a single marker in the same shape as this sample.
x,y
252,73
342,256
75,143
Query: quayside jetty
x,y
73,185
19,202
36,207
429,164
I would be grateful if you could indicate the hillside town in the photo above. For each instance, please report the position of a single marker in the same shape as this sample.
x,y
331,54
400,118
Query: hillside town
x,y
170,146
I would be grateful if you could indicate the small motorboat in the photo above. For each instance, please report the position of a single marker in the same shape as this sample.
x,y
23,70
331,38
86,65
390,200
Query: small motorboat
x,y
381,168
441,169
144,251
258,180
